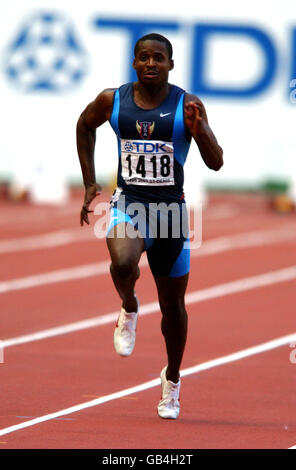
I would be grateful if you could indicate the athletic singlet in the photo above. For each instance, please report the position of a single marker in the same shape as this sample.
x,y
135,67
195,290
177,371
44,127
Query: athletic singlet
x,y
152,146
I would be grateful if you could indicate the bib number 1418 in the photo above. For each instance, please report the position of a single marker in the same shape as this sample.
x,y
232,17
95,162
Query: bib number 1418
x,y
155,170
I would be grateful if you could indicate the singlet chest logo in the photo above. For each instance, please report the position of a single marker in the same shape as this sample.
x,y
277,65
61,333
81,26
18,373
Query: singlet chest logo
x,y
145,129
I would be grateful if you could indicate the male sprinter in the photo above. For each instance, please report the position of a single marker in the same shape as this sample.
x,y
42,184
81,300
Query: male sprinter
x,y
154,122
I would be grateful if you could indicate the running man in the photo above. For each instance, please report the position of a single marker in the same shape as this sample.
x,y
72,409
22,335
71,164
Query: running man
x,y
154,122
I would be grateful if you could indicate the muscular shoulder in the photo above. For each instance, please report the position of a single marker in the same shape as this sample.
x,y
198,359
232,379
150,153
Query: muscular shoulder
x,y
99,110
190,98
106,97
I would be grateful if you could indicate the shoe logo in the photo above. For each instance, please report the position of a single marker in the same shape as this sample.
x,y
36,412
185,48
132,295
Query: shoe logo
x,y
164,114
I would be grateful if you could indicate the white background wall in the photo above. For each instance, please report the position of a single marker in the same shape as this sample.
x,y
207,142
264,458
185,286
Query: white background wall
x,y
257,135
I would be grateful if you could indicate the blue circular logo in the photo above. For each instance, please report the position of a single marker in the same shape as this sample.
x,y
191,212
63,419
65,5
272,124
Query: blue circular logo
x,y
128,147
46,55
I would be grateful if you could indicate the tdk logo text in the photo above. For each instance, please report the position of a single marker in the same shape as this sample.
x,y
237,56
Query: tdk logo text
x,y
148,147
202,34
46,54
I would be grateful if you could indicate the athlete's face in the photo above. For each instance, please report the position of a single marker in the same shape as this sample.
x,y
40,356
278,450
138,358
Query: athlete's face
x,y
152,62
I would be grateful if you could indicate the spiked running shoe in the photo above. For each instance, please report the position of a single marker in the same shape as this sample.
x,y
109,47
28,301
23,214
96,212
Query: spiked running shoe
x,y
125,332
169,405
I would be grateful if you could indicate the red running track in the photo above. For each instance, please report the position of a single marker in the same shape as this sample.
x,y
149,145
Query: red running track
x,y
246,403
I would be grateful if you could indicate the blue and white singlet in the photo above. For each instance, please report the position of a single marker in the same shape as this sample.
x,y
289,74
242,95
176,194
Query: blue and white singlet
x,y
152,149
152,145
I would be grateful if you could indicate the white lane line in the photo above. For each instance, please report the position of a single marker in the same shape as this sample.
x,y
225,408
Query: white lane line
x,y
240,285
48,240
245,240
52,277
222,212
66,237
208,248
263,347
45,240
34,215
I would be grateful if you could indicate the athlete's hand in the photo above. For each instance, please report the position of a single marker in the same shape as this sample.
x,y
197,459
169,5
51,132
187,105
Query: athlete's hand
x,y
90,193
194,118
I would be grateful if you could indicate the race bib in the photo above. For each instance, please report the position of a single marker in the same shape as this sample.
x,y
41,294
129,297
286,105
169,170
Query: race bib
x,y
147,162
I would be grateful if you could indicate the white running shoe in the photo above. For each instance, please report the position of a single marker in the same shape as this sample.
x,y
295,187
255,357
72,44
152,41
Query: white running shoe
x,y
125,332
169,405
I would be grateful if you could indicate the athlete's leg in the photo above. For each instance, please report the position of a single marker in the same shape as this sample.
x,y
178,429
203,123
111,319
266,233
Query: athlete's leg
x,y
125,252
171,294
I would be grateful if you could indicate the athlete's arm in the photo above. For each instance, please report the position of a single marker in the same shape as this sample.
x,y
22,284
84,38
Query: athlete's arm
x,y
197,124
94,115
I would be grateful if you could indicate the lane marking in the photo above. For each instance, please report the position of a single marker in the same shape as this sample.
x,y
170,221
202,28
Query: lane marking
x,y
208,248
30,417
66,237
34,215
245,240
263,347
222,212
220,290
52,277
45,240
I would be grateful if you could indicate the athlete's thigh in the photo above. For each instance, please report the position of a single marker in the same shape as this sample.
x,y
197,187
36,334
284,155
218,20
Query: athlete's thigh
x,y
169,254
124,243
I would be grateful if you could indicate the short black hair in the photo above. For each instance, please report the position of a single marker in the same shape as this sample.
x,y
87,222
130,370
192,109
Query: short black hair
x,y
155,37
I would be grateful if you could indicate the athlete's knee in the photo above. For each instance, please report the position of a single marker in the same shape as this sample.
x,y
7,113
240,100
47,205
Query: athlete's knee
x,y
124,268
173,308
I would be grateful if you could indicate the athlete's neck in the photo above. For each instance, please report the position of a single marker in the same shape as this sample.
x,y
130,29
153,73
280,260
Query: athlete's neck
x,y
149,97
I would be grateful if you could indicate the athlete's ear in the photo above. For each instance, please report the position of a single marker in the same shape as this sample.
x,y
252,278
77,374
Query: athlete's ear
x,y
172,64
134,63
